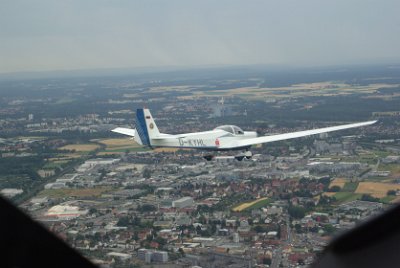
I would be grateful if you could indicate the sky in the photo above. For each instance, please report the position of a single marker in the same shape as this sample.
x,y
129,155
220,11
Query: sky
x,y
46,35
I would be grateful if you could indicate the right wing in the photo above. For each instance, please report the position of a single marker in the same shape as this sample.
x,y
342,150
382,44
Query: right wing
x,y
126,131
287,136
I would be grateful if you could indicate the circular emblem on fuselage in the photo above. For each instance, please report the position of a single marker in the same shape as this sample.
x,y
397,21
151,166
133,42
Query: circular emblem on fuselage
x,y
151,126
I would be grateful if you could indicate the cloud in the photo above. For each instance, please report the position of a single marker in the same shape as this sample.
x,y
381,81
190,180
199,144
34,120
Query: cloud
x,y
53,35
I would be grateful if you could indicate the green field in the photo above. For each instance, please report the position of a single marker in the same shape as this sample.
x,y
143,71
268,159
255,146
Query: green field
x,y
343,197
350,187
387,199
259,204
394,168
130,149
255,204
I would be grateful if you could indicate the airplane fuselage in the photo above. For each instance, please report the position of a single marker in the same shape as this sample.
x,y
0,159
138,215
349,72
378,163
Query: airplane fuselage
x,y
206,140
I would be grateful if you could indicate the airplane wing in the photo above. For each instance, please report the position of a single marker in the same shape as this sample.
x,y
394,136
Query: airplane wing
x,y
292,135
126,131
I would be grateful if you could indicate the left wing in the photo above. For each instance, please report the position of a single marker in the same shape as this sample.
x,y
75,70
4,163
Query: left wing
x,y
287,136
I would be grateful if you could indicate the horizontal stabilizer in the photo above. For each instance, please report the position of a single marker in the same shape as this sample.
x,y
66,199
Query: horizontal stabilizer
x,y
126,131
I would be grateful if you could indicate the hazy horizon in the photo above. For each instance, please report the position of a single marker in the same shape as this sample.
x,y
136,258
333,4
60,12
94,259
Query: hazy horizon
x,y
74,35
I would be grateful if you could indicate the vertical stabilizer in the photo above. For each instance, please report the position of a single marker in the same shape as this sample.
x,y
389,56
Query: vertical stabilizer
x,y
145,127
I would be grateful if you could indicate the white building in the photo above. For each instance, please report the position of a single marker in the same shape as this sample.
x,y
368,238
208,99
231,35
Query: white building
x,y
65,212
119,255
183,202
55,185
148,256
11,192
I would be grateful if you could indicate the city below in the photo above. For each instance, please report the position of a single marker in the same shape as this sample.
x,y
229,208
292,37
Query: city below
x,y
124,205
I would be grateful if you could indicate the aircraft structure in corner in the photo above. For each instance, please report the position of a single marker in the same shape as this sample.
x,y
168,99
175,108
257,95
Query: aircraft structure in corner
x,y
222,138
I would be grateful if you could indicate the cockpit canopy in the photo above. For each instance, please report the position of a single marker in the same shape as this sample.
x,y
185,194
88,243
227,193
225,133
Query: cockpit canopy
x,y
231,129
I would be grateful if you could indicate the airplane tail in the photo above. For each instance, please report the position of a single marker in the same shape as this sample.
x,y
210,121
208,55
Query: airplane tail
x,y
146,128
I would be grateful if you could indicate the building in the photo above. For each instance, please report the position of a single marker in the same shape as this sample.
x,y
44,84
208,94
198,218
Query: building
x,y
159,256
11,192
119,255
183,202
65,212
55,185
148,256
44,173
144,255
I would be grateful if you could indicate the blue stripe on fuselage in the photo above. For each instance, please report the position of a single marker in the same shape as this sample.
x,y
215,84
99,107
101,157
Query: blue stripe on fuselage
x,y
141,127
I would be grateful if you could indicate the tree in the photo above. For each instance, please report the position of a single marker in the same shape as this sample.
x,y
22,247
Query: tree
x,y
135,236
181,252
267,261
325,200
123,221
259,229
329,229
296,212
334,188
161,241
146,173
368,197
92,211
298,228
391,192
198,229
146,208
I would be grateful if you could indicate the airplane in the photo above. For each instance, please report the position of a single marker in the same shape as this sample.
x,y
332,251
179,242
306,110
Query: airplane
x,y
221,138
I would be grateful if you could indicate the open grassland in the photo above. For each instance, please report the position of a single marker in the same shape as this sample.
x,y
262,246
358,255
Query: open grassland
x,y
86,147
253,205
350,187
162,89
62,193
343,197
338,182
166,150
389,199
367,156
329,194
393,168
55,164
118,146
108,153
376,189
65,157
121,142
395,200
327,88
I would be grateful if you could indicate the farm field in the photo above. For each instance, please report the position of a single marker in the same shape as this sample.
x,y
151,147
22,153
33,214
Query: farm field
x,y
61,193
85,147
328,88
119,145
253,205
393,168
376,189
166,150
338,182
343,197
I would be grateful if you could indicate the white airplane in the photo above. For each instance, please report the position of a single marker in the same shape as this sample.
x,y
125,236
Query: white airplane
x,y
222,138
